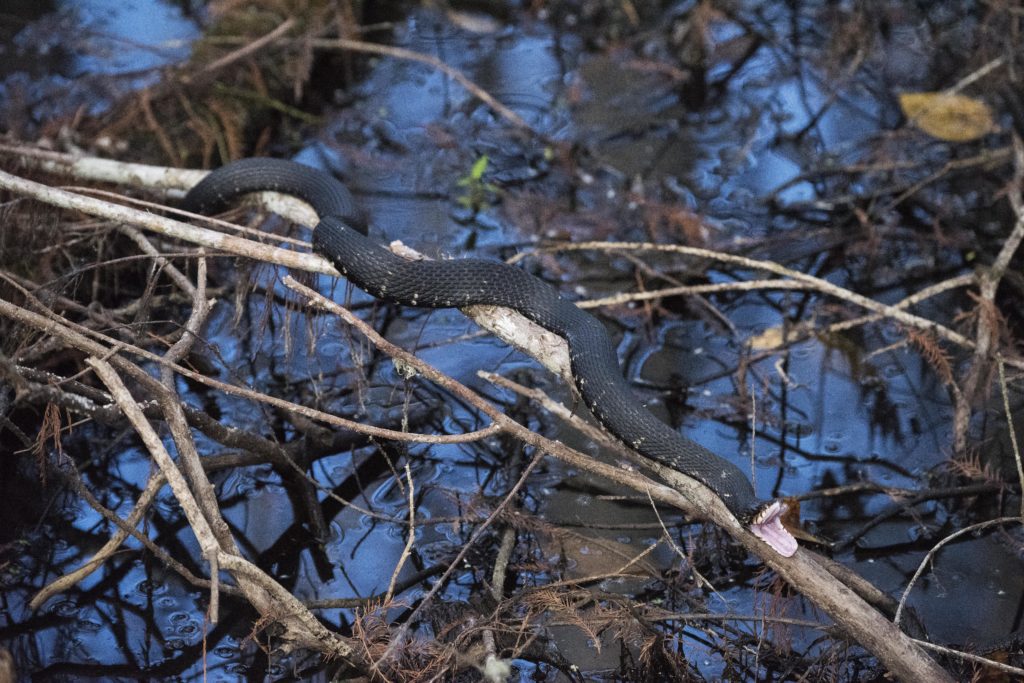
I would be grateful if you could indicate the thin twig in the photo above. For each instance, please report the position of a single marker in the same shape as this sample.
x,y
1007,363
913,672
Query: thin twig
x,y
82,338
1012,430
816,283
403,53
179,279
125,528
501,560
250,48
977,381
156,448
684,560
984,661
690,290
978,73
938,546
411,537
966,280
190,233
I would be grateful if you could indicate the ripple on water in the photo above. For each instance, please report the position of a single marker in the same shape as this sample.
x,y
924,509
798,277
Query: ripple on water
x,y
64,608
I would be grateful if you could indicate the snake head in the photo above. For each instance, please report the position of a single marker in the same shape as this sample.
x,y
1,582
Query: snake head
x,y
766,524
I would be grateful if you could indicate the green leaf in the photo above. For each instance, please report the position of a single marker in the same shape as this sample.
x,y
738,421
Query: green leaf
x,y
479,167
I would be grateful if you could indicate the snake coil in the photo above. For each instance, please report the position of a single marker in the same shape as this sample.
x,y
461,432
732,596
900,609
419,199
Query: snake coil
x,y
341,237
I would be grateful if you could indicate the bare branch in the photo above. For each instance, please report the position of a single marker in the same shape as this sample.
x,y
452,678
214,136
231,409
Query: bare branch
x,y
810,281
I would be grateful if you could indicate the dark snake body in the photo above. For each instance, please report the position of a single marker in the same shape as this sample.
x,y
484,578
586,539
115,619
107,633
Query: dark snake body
x,y
465,282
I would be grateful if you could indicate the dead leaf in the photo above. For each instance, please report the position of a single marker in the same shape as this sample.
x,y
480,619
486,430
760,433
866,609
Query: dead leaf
x,y
596,556
771,338
954,118
474,23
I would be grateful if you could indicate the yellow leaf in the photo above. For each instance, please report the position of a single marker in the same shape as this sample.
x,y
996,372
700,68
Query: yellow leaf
x,y
771,338
953,118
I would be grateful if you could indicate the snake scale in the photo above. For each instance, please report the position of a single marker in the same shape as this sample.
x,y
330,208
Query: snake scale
x,y
341,237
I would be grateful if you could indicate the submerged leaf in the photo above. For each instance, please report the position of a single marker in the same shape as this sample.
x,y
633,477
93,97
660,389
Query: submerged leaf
x,y
954,118
771,338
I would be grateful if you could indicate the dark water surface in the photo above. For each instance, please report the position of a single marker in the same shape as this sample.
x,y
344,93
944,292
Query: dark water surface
x,y
646,164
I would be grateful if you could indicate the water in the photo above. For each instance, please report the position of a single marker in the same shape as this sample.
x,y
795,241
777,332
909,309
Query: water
x,y
82,54
618,153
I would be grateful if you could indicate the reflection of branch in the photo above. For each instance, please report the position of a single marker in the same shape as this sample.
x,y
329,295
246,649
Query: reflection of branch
x,y
938,546
906,499
988,157
403,53
387,51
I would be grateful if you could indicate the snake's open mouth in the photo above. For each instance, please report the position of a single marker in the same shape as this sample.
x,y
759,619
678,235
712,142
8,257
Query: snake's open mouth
x,y
767,525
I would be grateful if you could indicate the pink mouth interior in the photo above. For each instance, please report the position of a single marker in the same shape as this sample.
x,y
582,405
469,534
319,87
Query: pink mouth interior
x,y
768,527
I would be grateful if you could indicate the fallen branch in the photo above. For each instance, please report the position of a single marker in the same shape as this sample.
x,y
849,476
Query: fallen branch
x,y
266,595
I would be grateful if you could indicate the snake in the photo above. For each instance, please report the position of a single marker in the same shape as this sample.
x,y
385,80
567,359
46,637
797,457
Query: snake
x,y
342,236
